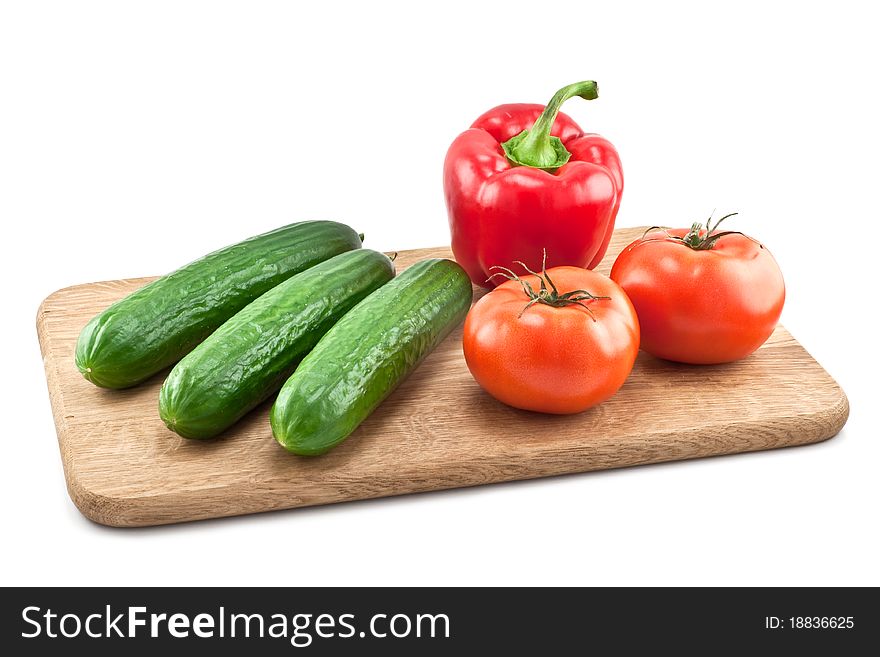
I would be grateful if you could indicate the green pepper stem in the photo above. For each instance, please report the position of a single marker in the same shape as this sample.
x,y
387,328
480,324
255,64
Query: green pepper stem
x,y
535,147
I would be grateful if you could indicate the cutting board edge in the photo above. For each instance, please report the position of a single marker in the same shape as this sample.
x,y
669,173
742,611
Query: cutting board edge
x,y
156,509
204,504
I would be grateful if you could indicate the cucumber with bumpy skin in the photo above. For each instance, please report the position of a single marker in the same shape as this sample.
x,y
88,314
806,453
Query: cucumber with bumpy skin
x,y
367,354
248,358
159,324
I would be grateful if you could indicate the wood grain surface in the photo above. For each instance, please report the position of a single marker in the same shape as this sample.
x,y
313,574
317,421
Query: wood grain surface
x,y
438,430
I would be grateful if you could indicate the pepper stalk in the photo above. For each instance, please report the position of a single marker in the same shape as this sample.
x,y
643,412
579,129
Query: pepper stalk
x,y
536,148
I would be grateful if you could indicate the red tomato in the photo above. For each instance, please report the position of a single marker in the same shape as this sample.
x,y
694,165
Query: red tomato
x,y
701,305
555,356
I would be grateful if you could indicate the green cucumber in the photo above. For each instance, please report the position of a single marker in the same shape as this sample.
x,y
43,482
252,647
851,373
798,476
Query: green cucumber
x,y
248,358
159,324
367,354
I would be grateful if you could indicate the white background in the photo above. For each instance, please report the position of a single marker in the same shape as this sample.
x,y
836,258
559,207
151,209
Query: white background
x,y
135,137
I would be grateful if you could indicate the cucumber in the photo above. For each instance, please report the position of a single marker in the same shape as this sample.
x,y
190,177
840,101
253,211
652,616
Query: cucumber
x,y
159,324
367,354
248,358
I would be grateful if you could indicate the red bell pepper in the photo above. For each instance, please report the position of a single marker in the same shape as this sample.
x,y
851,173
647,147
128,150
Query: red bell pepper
x,y
525,178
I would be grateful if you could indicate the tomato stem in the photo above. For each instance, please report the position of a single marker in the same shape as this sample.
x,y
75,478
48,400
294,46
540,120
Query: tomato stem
x,y
548,296
699,238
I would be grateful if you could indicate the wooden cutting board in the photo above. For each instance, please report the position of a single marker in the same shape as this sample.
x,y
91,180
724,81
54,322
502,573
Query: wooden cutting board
x,y
438,430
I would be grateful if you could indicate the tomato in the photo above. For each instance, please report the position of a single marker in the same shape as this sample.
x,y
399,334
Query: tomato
x,y
702,297
563,353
